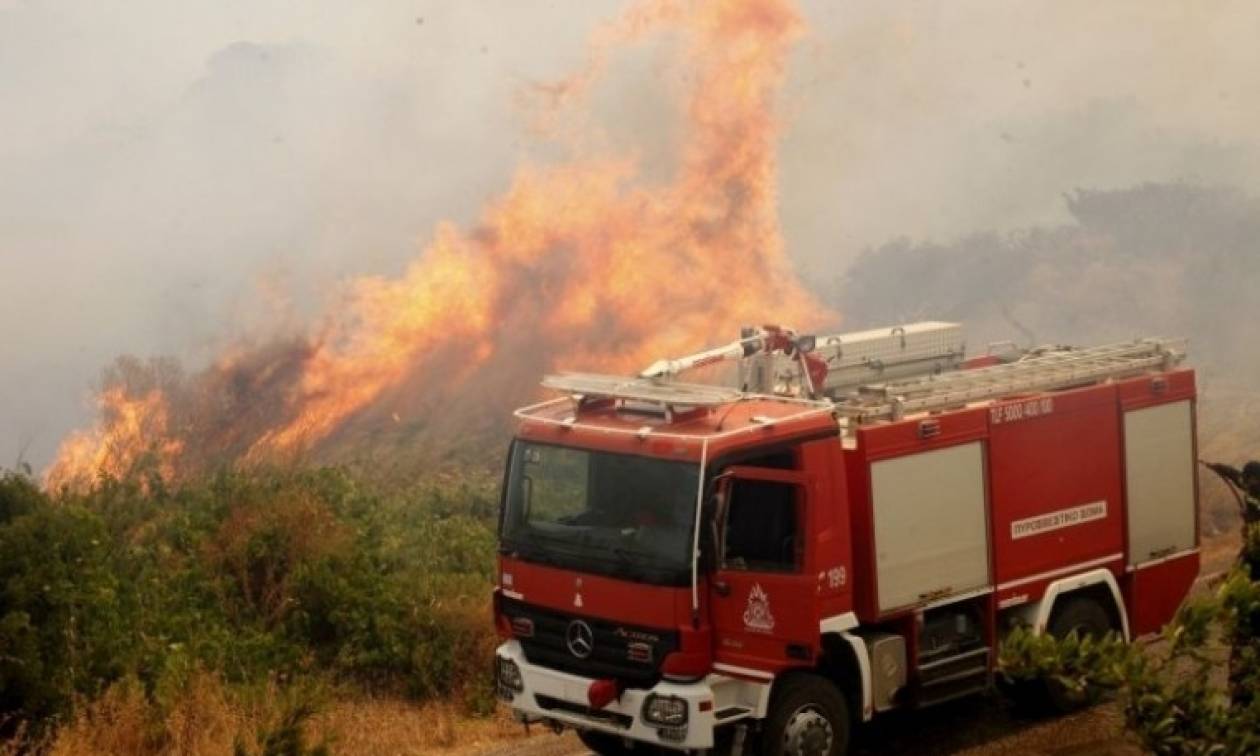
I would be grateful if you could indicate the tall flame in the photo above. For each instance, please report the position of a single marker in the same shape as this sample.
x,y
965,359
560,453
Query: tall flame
x,y
129,427
582,264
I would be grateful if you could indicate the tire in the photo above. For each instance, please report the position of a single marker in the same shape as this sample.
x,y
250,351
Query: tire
x,y
809,716
1081,614
1088,619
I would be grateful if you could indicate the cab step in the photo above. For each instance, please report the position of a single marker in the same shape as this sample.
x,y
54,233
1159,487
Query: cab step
x,y
954,676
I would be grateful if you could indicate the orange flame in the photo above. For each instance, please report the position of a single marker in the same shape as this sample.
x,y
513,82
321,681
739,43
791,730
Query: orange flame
x,y
129,429
584,264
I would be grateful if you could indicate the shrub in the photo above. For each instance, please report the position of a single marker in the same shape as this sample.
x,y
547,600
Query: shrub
x,y
18,496
1173,702
65,616
258,575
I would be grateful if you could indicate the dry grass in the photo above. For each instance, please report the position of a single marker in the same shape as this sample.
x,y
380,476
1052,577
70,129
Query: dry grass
x,y
18,743
203,719
392,727
208,718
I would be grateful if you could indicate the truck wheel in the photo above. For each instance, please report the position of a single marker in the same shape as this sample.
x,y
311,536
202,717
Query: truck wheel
x,y
1083,615
1088,619
808,717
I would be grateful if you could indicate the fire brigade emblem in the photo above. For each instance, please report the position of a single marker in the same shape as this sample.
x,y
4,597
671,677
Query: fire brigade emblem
x,y
757,614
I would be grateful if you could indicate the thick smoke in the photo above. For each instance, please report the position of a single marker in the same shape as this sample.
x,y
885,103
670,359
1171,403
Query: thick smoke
x,y
582,263
175,175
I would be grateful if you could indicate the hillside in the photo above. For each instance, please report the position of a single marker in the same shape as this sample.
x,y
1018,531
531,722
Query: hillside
x,y
1155,259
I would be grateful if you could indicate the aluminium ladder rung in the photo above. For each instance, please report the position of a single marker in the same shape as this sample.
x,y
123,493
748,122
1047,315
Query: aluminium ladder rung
x,y
1044,372
642,389
1106,357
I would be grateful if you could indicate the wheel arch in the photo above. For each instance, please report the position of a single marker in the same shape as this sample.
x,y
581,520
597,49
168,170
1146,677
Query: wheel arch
x,y
1099,584
844,661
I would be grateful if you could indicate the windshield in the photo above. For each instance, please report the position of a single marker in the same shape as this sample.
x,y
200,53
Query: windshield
x,y
615,514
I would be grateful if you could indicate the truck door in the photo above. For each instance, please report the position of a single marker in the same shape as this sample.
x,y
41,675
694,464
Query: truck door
x,y
764,607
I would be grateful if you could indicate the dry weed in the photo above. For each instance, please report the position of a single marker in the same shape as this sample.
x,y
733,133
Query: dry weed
x,y
20,742
203,719
117,722
206,718
394,727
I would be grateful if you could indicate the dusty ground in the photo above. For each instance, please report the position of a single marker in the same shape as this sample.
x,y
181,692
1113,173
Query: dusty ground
x,y
979,727
983,726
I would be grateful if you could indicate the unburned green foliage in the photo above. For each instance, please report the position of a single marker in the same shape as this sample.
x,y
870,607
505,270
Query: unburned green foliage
x,y
275,575
1194,693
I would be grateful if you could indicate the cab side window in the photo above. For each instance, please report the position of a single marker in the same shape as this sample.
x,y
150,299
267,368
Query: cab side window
x,y
761,530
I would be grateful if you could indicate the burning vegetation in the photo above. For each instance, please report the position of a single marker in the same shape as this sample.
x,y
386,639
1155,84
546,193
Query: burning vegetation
x,y
584,264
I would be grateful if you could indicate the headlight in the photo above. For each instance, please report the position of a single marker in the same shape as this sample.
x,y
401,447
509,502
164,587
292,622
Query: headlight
x,y
665,710
510,676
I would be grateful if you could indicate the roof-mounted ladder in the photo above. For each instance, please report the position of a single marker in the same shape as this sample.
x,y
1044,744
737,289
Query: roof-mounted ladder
x,y
659,396
1045,371
648,390
665,396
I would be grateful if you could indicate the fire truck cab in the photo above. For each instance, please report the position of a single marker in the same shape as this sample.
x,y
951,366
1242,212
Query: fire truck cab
x,y
700,567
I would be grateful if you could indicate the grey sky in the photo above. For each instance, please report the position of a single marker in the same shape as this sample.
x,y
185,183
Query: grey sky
x,y
160,162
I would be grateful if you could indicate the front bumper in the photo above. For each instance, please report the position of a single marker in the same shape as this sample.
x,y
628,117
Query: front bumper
x,y
561,697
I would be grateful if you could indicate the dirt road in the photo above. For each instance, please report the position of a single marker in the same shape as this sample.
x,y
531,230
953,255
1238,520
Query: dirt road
x,y
980,727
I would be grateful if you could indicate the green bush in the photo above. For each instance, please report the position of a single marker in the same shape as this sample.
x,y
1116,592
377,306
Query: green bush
x,y
64,612
18,496
259,575
1175,701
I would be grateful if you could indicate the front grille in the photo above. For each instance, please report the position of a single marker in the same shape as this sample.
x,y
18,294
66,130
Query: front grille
x,y
610,656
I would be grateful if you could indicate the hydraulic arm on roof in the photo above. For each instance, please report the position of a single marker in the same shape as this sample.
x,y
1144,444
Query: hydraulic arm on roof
x,y
776,360
766,340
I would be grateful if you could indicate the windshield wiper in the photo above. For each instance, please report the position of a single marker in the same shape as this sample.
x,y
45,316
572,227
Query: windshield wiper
x,y
633,564
645,559
545,553
626,556
586,553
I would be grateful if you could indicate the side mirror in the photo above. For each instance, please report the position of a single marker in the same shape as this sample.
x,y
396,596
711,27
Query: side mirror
x,y
806,344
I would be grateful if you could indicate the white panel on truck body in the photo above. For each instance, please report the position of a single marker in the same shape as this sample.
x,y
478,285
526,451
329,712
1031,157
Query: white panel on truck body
x,y
1159,475
931,528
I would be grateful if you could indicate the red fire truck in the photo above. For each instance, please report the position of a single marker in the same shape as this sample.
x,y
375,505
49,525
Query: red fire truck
x,y
850,529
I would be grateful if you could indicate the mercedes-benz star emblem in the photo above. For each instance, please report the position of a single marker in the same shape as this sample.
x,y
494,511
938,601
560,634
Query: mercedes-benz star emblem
x,y
580,638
